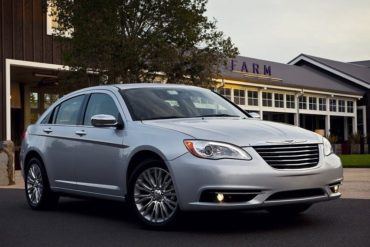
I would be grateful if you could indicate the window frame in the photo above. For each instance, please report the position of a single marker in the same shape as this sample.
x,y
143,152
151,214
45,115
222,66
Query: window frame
x,y
224,95
335,106
279,101
80,111
323,105
302,102
253,99
350,107
341,108
290,104
312,106
267,99
119,117
239,97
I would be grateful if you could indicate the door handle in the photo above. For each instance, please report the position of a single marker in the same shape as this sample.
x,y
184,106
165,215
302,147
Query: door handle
x,y
80,132
47,131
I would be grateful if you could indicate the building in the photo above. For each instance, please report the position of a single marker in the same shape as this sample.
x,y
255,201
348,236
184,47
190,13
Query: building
x,y
315,93
330,100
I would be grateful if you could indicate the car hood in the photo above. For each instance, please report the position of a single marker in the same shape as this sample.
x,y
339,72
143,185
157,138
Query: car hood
x,y
242,132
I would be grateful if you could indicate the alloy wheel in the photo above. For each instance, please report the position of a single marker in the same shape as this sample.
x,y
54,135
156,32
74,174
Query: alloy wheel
x,y
154,195
34,184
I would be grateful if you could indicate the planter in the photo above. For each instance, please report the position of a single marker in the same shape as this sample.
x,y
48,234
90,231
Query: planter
x,y
6,163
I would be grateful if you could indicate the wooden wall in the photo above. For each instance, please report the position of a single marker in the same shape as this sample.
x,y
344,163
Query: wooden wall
x,y
23,37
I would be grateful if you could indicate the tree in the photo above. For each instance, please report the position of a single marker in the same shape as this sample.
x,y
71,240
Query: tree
x,y
141,40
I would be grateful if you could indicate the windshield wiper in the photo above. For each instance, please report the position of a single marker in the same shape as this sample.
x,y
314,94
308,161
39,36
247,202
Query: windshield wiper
x,y
165,117
218,115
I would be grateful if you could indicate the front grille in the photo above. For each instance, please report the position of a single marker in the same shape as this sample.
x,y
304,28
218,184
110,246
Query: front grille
x,y
290,156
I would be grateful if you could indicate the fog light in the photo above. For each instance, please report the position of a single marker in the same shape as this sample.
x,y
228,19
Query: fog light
x,y
335,188
220,197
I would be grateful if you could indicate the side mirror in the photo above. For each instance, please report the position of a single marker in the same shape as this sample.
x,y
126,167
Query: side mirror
x,y
103,120
255,115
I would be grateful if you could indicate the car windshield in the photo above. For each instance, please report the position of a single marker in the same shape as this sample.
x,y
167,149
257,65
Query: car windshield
x,y
166,103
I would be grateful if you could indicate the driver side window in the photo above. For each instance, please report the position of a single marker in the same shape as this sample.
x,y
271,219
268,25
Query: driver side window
x,y
100,103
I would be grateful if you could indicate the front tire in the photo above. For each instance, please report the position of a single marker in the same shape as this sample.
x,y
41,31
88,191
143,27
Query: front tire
x,y
38,193
287,210
152,194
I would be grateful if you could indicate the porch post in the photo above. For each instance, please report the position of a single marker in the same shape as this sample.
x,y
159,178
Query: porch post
x,y
345,127
260,103
296,115
327,125
364,121
354,119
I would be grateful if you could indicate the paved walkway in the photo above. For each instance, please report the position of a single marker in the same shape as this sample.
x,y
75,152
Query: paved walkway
x,y
356,183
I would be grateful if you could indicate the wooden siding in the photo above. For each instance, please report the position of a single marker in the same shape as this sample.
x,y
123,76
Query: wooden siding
x,y
23,37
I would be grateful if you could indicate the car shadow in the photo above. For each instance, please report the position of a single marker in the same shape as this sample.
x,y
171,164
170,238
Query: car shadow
x,y
207,222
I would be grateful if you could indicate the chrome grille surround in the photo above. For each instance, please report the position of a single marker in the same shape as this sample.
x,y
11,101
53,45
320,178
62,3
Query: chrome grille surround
x,y
290,156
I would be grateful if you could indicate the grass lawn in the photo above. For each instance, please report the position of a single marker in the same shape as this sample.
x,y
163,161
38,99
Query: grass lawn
x,y
355,160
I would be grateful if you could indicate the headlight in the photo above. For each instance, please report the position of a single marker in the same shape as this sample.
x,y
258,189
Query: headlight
x,y
215,150
327,147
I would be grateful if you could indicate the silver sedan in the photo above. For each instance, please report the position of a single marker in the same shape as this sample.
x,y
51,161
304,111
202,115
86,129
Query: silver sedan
x,y
166,148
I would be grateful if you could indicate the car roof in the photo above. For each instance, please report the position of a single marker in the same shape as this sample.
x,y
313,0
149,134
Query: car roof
x,y
135,86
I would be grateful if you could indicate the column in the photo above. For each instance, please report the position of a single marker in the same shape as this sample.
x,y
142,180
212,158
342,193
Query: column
x,y
260,103
26,106
354,119
364,121
296,115
345,128
327,125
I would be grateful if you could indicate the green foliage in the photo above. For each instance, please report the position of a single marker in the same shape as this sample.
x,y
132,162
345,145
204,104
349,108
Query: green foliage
x,y
132,40
355,160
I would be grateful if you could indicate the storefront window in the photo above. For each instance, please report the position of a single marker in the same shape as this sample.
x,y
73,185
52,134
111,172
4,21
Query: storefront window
x,y
350,106
303,102
226,92
49,99
312,103
322,104
253,98
341,105
267,99
290,101
239,97
279,100
34,100
333,105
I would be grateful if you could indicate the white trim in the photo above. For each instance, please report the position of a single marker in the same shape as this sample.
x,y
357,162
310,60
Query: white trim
x,y
364,122
325,67
292,89
25,64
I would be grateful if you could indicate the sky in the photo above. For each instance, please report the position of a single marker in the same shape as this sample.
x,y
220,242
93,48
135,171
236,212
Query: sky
x,y
280,30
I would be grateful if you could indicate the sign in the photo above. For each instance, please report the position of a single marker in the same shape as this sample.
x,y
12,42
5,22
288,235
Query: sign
x,y
254,68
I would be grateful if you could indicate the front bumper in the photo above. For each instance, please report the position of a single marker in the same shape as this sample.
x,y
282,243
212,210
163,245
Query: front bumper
x,y
193,175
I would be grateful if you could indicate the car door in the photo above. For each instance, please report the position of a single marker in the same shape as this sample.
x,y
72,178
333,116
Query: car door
x,y
101,152
61,142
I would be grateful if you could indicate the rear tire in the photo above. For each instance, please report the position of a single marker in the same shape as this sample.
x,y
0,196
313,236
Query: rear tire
x,y
289,209
37,188
152,195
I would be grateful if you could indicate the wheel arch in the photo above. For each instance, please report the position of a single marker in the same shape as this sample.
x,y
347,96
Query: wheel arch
x,y
140,156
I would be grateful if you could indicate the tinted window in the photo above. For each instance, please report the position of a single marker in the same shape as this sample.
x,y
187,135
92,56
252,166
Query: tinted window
x,y
100,104
69,110
161,103
46,119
